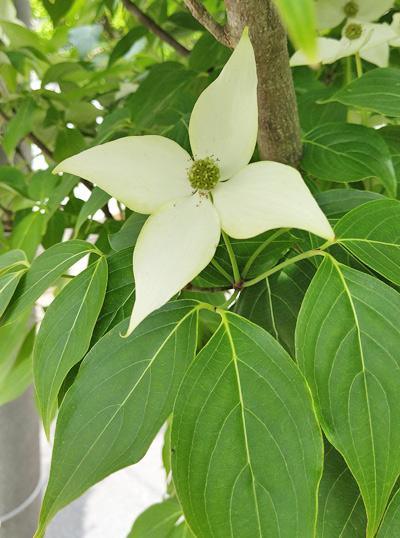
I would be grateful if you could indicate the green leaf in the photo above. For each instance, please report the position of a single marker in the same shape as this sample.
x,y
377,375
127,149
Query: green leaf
x,y
163,82
12,259
20,36
68,143
120,293
243,249
207,53
391,522
56,10
14,179
65,334
344,152
391,136
377,90
128,234
336,203
341,512
44,271
20,375
27,234
8,283
124,392
372,233
55,230
313,113
348,342
246,446
299,17
42,184
274,303
85,38
158,521
11,338
19,125
125,43
97,200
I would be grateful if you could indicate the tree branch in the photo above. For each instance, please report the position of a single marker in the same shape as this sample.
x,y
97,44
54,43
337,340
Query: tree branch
x,y
279,136
215,289
154,28
200,13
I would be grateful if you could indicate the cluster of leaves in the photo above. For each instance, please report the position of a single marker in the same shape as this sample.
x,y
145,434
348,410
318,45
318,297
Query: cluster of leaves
x,y
311,342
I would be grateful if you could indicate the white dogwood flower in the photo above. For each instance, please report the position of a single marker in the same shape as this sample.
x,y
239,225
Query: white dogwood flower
x,y
371,41
190,200
330,13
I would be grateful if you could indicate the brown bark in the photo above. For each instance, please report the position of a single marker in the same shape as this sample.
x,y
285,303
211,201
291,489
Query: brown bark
x,y
279,131
279,136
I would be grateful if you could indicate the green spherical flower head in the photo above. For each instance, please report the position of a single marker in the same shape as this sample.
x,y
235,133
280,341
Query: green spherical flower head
x,y
351,9
353,31
204,174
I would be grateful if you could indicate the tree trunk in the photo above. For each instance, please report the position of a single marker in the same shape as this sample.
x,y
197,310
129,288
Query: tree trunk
x,y
279,131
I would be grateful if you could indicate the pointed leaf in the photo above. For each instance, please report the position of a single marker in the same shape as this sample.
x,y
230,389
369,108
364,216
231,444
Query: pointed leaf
x,y
246,446
128,234
377,90
65,334
372,233
97,200
157,521
20,125
43,272
343,152
348,343
299,17
124,392
8,283
391,522
12,259
341,512
120,293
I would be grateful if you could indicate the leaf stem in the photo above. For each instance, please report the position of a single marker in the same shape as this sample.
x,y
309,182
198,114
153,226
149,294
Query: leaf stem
x,y
222,270
257,252
303,256
231,300
236,273
364,112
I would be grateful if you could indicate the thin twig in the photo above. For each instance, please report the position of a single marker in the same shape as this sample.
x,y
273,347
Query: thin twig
x,y
215,289
205,18
154,28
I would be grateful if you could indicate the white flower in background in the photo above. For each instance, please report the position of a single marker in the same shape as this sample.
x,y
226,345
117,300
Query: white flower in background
x,y
330,13
371,41
396,27
191,200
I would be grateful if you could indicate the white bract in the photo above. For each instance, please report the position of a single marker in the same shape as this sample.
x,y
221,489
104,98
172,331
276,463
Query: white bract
x,y
371,41
330,13
190,200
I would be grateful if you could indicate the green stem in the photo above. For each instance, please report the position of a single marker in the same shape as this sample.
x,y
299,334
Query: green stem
x,y
232,257
349,74
290,261
222,270
364,112
257,252
231,300
358,65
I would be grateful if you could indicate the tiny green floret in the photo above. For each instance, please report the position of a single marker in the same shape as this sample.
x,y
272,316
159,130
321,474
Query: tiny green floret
x,y
353,31
204,174
351,9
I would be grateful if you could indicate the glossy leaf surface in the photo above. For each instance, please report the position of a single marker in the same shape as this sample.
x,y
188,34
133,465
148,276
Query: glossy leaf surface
x,y
246,447
354,374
